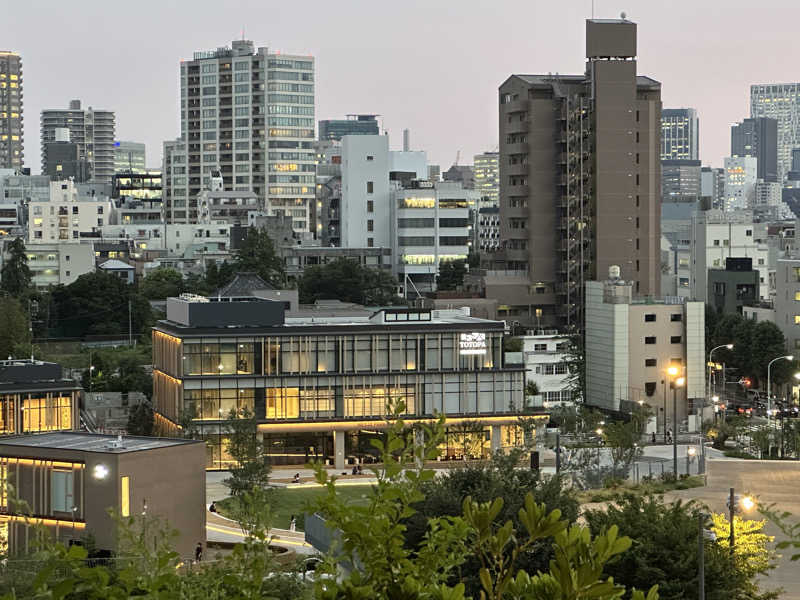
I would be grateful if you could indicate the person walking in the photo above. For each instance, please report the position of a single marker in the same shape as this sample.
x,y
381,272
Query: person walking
x,y
198,552
653,439
293,524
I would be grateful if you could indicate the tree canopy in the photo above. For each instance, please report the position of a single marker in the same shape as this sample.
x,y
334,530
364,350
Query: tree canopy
x,y
257,254
348,281
451,275
160,283
15,276
14,328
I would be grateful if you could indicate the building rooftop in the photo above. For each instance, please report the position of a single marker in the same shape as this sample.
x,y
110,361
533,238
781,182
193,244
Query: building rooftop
x,y
243,284
90,442
116,264
549,79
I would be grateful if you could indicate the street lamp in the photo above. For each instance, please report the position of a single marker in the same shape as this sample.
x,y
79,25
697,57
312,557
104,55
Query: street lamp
x,y
691,451
769,392
710,354
679,382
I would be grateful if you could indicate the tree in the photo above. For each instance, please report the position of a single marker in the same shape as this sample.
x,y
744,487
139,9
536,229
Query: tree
x,y
750,550
346,280
665,551
576,367
252,469
451,275
97,304
141,420
623,440
372,537
14,328
473,259
15,276
257,255
160,283
498,478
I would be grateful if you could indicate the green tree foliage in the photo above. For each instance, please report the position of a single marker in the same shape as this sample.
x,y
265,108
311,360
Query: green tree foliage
x,y
665,552
160,283
623,441
755,344
576,367
15,276
499,478
451,275
348,281
218,275
257,254
97,304
473,259
141,420
117,371
14,328
252,469
373,536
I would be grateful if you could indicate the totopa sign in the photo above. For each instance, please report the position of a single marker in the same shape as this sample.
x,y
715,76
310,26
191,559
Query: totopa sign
x,y
472,343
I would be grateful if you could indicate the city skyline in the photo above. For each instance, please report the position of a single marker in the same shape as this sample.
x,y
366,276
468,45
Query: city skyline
x,y
411,86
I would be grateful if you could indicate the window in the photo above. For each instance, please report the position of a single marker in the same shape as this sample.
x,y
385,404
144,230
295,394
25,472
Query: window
x,y
675,339
650,339
716,242
370,206
125,496
719,288
797,319
650,318
370,242
370,225
650,362
676,317
61,491
540,347
749,233
370,158
370,187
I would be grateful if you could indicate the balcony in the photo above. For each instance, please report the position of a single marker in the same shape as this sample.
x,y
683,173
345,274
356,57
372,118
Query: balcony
x,y
517,169
517,126
516,106
518,190
517,148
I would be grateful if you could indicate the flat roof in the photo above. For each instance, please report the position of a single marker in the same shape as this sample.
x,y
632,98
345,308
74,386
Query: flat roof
x,y
90,442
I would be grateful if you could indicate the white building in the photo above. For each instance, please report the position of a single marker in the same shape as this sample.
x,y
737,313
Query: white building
x,y
545,355
250,113
431,225
487,178
66,214
718,235
631,343
59,263
216,205
741,174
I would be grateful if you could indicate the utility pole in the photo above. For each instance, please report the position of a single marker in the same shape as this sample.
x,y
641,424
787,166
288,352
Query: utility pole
x,y
130,330
701,571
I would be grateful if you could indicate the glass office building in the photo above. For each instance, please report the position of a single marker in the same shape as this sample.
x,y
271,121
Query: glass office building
x,y
320,385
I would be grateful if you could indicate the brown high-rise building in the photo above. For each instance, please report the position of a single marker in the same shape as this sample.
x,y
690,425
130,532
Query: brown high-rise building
x,y
580,182
11,142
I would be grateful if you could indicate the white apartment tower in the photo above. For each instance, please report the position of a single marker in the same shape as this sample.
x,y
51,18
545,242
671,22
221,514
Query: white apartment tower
x,y
248,113
780,101
487,178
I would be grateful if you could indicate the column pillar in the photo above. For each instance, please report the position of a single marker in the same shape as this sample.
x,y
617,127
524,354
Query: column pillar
x,y
338,450
495,441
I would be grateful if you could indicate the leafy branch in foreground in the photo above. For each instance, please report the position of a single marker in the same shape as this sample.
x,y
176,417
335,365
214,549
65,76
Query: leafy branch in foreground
x,y
371,539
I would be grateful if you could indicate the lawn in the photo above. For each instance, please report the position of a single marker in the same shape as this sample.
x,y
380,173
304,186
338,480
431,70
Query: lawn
x,y
644,488
292,501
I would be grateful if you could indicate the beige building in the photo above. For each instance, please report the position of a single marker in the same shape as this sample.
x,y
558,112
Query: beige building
x,y
580,180
631,343
70,480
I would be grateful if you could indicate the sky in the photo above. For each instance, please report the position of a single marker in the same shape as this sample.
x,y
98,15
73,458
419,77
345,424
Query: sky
x,y
432,66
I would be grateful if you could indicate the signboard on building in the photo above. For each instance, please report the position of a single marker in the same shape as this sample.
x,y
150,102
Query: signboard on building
x,y
472,343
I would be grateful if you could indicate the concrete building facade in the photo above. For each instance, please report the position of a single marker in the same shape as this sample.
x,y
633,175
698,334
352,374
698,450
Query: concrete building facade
x,y
787,301
66,214
130,157
12,142
580,179
680,180
546,354
336,129
71,480
733,288
741,174
630,345
248,112
758,138
487,177
92,130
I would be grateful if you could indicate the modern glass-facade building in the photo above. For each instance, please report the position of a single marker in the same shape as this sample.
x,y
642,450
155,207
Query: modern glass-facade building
x,y
35,398
780,101
336,129
680,132
319,386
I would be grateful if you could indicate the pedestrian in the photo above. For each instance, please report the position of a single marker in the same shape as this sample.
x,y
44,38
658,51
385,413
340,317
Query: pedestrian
x,y
198,552
653,439
360,470
213,507
355,470
669,436
293,524
296,478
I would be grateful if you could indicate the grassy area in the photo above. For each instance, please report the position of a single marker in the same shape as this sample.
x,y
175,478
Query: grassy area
x,y
642,489
292,501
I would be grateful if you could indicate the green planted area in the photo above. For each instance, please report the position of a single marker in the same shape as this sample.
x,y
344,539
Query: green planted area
x,y
286,502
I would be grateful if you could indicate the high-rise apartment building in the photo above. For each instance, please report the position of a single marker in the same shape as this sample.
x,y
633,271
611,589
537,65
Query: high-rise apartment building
x,y
11,138
487,177
712,185
740,182
759,138
580,181
129,157
93,132
680,180
248,113
780,101
680,133
336,129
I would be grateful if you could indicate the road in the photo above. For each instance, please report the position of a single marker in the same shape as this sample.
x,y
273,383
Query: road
x,y
770,482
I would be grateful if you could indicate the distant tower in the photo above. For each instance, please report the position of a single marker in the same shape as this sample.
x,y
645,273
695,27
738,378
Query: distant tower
x,y
406,140
11,142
